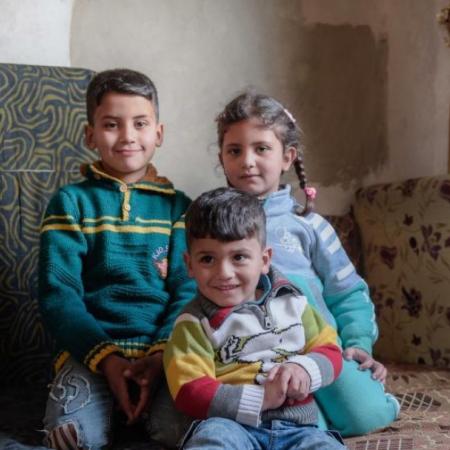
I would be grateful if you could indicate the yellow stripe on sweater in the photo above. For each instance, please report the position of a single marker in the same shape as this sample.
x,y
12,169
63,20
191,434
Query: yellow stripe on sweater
x,y
155,188
61,227
60,360
110,218
125,229
94,359
166,222
238,373
106,227
47,219
101,219
185,368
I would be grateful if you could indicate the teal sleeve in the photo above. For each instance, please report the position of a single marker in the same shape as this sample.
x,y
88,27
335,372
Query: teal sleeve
x,y
345,293
180,286
62,250
354,313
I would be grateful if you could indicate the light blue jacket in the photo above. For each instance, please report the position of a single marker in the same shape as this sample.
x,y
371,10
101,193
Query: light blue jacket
x,y
308,251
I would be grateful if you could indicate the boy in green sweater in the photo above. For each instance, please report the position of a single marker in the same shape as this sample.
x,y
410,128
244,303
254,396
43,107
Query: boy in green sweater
x,y
112,278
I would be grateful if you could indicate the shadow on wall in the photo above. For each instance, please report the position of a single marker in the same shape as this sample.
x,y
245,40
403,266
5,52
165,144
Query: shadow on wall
x,y
341,99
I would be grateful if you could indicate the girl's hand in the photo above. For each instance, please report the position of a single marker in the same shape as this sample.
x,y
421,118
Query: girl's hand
x,y
379,371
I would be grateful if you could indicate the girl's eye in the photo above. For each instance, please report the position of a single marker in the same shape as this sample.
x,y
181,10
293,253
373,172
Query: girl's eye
x,y
110,125
206,259
262,149
233,151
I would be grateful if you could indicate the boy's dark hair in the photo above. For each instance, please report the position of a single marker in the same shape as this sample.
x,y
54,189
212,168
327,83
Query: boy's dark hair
x,y
273,115
225,214
123,81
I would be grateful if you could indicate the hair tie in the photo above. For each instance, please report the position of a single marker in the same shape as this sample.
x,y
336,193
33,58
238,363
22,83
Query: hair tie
x,y
310,192
290,116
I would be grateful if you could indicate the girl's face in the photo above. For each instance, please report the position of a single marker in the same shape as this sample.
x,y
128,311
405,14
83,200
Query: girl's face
x,y
253,159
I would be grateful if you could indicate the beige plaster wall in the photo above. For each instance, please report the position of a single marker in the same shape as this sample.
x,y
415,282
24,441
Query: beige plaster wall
x,y
416,89
35,32
368,81
200,53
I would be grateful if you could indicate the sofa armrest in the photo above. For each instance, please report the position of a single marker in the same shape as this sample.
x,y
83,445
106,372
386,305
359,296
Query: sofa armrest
x,y
405,231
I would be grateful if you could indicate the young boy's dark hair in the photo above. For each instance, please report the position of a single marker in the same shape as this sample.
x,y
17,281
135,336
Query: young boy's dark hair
x,y
226,214
122,81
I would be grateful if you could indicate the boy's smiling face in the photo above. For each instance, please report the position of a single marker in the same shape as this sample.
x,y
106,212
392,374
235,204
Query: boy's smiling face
x,y
227,273
125,133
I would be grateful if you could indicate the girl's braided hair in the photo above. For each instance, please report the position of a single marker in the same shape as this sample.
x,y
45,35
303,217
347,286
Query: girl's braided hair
x,y
274,115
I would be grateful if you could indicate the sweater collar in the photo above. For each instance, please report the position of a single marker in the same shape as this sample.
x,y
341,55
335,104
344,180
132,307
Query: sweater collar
x,y
273,284
279,202
151,180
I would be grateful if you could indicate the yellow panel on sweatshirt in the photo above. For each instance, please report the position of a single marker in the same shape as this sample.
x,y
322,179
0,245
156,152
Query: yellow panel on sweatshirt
x,y
187,368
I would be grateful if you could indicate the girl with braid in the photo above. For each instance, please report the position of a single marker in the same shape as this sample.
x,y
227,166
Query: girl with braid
x,y
259,140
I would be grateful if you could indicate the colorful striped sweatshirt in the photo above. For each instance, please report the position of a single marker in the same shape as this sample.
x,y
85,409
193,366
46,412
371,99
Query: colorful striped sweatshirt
x,y
217,359
307,250
111,273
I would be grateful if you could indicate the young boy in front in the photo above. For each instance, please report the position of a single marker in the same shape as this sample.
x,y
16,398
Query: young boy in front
x,y
112,277
246,355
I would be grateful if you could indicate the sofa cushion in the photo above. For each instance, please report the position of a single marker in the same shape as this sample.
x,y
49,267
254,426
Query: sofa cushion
x,y
405,230
42,115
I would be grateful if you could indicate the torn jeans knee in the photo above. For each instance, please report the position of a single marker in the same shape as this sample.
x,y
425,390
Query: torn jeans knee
x,y
66,436
79,409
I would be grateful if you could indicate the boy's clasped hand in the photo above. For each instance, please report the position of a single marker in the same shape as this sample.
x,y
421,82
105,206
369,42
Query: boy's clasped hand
x,y
285,383
131,381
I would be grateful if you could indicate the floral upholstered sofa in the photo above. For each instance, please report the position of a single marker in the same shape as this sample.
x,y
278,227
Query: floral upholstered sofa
x,y
398,235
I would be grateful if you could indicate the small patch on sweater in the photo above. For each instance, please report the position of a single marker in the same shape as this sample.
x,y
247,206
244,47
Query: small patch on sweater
x,y
160,261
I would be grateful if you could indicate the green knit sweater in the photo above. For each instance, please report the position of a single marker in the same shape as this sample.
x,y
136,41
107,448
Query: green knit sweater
x,y
111,273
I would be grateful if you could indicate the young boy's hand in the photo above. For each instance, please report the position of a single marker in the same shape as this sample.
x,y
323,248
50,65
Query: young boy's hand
x,y
113,367
275,389
379,371
299,381
145,372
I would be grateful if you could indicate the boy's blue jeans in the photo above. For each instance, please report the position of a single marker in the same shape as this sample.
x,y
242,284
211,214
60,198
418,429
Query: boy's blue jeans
x,y
79,409
225,434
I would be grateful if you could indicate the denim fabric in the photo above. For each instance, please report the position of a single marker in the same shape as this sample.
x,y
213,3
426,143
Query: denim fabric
x,y
225,434
83,399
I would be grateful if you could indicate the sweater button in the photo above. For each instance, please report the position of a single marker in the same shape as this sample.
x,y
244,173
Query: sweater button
x,y
127,207
123,188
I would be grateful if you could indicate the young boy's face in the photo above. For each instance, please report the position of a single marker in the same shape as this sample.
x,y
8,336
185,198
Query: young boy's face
x,y
227,273
125,133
